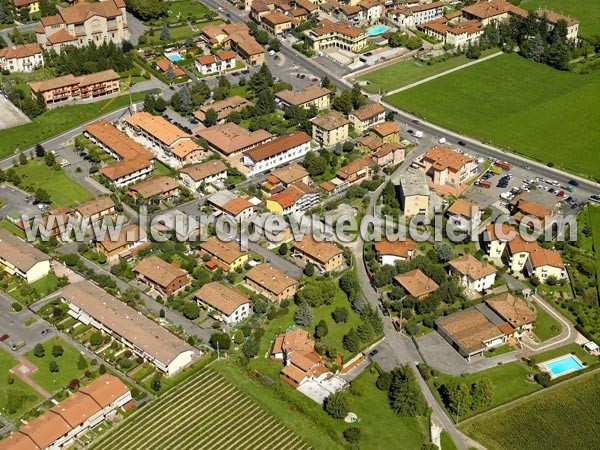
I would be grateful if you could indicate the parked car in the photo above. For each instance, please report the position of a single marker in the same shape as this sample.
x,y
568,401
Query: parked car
x,y
462,143
594,198
4,337
574,182
373,353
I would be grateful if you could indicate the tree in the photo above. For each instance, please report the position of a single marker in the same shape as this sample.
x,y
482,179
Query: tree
x,y
304,315
156,383
352,435
191,310
456,397
81,362
262,37
369,314
358,99
220,341
384,381
283,249
42,196
328,84
73,384
543,378
349,284
251,348
165,33
275,44
444,253
340,315
160,105
238,337
321,329
365,332
102,369
40,151
314,165
170,76
337,404
351,341
405,395
210,117
57,350
309,269
482,393
358,304
149,103
265,103
343,102
22,158
39,351
235,117
473,52
53,366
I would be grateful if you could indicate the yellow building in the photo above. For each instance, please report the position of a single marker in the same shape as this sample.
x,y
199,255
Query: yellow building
x,y
276,22
226,255
330,129
386,131
336,35
33,5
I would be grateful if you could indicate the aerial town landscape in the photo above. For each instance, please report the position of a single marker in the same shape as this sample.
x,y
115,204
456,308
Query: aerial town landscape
x,y
299,224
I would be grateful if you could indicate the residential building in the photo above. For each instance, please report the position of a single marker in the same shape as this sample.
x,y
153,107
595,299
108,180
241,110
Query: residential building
x,y
355,171
456,33
552,19
402,15
488,11
230,305
281,178
369,143
416,283
387,132
269,282
130,238
247,47
219,62
84,23
427,12
334,186
273,228
544,263
390,252
301,361
144,337
448,167
367,116
473,274
225,255
537,203
114,142
471,332
18,257
390,154
155,188
223,108
414,193
55,222
371,11
226,202
164,277
96,210
276,153
172,145
330,129
197,175
312,95
164,65
514,311
276,22
69,87
231,140
295,199
495,238
32,5
350,14
517,252
463,214
128,171
21,58
339,35
325,256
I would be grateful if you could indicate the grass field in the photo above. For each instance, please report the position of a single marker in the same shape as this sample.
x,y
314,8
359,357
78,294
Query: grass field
x,y
205,411
584,356
546,326
519,105
7,362
586,11
67,364
7,225
594,218
564,417
446,441
180,32
57,121
63,191
402,73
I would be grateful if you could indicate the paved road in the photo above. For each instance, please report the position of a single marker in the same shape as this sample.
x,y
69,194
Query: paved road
x,y
280,263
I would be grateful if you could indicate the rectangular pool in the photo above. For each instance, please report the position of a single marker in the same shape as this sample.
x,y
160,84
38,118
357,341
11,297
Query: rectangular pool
x,y
174,57
563,365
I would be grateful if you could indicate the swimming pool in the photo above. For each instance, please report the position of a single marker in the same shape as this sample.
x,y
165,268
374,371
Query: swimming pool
x,y
562,365
174,57
377,29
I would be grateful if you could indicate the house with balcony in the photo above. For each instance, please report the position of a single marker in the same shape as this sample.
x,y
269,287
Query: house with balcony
x,y
330,129
367,116
473,274
276,153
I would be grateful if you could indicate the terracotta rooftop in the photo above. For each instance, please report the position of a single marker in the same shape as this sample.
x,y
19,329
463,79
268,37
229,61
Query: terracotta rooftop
x,y
95,206
53,83
278,145
330,121
520,245
340,28
544,257
204,170
231,138
76,409
154,186
222,298
117,141
20,51
223,107
80,12
46,429
491,8
19,253
384,129
275,17
159,271
416,283
506,229
554,17
368,111
291,194
98,77
427,6
309,94
319,251
396,248
136,328
125,167
470,329
236,205
512,309
127,234
164,64
445,158
228,252
18,441
373,143
158,127
472,267
60,37
290,174
387,148
463,207
354,167
270,278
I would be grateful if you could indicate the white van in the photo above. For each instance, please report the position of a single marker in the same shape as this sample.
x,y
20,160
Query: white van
x,y
418,134
442,140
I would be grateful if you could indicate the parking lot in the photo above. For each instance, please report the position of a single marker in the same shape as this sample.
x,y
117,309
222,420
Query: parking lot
x,y
18,202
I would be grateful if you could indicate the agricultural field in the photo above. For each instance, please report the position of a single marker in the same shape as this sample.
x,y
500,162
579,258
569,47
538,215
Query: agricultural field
x,y
586,11
519,105
204,412
538,422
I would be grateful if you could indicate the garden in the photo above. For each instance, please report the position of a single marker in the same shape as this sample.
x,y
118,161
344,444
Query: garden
x,y
27,293
16,397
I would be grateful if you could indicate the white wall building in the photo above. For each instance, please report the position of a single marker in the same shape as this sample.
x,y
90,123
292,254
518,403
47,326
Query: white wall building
x,y
276,153
22,58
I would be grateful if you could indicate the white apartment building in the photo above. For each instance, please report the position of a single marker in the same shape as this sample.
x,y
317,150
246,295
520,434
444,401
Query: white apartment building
x,y
22,58
276,153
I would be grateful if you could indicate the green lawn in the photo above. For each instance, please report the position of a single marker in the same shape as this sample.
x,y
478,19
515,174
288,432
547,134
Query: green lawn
x,y
565,417
446,441
519,105
402,73
67,364
594,218
584,356
185,9
7,225
56,121
42,287
63,190
29,396
509,381
180,32
546,326
586,11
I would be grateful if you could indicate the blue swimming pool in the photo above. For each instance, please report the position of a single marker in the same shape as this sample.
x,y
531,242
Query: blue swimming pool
x,y
174,57
562,365
378,29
